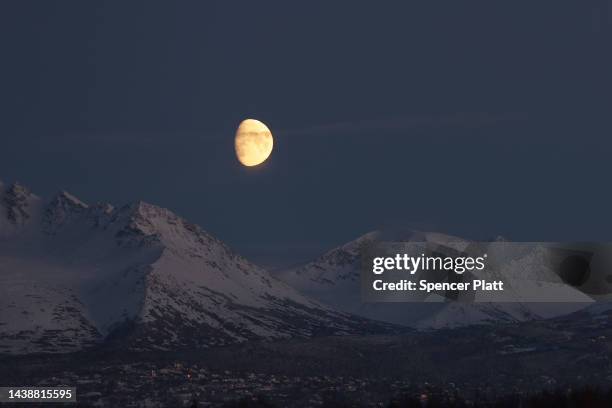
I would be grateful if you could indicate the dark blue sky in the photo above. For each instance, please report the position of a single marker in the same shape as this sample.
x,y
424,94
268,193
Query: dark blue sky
x,y
474,118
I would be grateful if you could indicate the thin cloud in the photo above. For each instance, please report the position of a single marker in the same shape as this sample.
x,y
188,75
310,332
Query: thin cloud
x,y
398,124
386,125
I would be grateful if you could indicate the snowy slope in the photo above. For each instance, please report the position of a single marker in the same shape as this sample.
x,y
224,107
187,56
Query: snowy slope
x,y
73,275
334,279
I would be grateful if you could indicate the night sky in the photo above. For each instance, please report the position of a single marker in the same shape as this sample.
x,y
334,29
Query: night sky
x,y
473,118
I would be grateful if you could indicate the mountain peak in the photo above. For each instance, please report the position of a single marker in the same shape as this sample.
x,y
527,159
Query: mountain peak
x,y
18,189
62,207
103,208
150,210
69,199
151,215
143,210
17,200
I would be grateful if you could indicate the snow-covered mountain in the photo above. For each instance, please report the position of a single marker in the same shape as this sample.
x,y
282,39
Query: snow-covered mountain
x,y
73,275
334,279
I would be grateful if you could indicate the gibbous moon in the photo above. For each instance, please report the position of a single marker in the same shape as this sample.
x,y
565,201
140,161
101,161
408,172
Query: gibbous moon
x,y
253,142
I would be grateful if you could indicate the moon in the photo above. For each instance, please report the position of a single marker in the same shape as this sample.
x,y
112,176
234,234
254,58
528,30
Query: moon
x,y
253,142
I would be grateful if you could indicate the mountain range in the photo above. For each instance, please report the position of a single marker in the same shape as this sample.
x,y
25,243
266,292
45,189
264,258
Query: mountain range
x,y
334,279
74,275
